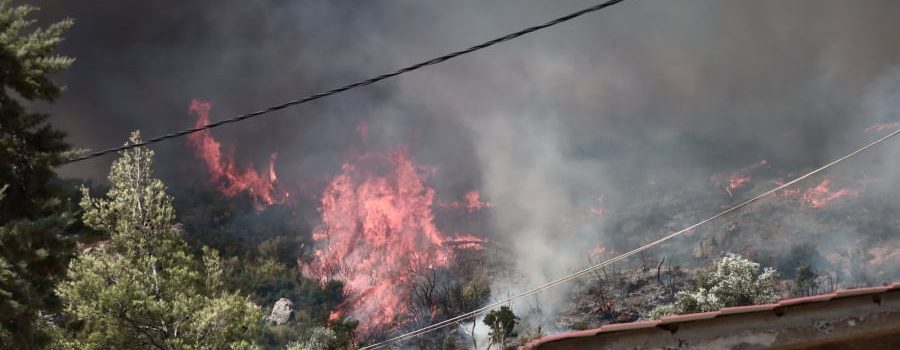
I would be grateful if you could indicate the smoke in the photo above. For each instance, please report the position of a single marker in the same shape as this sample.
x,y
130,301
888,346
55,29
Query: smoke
x,y
636,104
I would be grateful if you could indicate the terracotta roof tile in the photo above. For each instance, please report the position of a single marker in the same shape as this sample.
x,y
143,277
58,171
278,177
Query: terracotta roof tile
x,y
745,309
688,317
860,291
709,315
805,300
613,327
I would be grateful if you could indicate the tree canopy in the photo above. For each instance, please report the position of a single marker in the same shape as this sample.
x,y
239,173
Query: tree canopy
x,y
144,290
34,251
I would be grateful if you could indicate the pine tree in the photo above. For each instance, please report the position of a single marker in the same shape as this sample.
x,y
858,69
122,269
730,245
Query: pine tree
x,y
30,147
33,251
143,290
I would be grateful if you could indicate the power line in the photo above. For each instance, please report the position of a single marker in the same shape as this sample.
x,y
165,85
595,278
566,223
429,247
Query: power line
x,y
362,83
474,313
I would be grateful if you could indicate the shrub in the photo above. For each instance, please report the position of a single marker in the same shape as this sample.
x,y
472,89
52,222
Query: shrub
x,y
732,281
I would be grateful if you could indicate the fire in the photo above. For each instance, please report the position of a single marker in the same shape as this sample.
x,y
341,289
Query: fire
x,y
465,241
334,316
792,193
229,178
739,178
882,127
598,250
820,196
736,181
378,234
472,203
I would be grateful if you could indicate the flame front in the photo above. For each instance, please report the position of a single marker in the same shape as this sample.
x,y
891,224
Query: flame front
x,y
822,195
819,196
224,173
377,235
739,178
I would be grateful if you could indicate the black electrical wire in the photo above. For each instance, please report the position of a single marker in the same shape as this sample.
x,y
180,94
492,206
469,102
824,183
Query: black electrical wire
x,y
362,83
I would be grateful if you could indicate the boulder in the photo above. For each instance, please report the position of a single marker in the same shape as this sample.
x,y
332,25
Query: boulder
x,y
281,312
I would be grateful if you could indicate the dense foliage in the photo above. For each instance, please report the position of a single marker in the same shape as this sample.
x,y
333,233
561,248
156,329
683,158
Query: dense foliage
x,y
501,322
33,216
261,250
143,290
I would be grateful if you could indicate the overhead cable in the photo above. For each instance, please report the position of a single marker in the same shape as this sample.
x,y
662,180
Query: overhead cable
x,y
361,83
474,313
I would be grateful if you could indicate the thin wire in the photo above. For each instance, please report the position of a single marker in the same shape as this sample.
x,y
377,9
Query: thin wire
x,y
472,314
362,83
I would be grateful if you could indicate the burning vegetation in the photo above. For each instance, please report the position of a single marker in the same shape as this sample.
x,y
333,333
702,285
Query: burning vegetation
x,y
557,159
398,265
225,173
740,178
378,234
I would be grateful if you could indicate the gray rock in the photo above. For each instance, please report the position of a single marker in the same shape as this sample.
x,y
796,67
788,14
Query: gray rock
x,y
281,312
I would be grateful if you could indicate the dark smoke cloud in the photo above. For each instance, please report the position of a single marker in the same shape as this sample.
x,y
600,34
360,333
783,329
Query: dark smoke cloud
x,y
668,91
681,75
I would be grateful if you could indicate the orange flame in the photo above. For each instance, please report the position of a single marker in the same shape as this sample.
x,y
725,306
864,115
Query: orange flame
x,y
228,177
739,178
377,235
820,196
464,241
472,203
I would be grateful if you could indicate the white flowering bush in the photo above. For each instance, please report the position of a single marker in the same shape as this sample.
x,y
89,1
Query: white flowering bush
x,y
320,338
732,281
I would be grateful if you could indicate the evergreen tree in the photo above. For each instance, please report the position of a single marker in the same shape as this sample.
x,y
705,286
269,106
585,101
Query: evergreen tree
x,y
33,251
143,290
30,147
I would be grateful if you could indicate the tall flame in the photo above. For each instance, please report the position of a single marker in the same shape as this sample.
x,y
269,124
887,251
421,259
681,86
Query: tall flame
x,y
378,234
229,178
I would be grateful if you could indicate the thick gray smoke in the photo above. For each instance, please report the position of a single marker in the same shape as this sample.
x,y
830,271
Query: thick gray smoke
x,y
660,94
